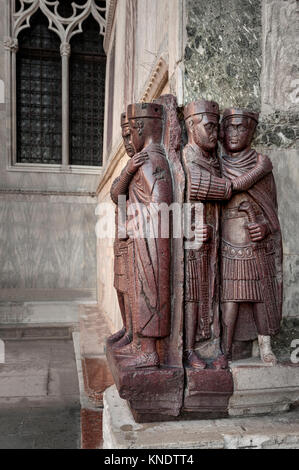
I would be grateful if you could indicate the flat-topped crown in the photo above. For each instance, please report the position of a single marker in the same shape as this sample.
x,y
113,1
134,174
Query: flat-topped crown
x,y
145,110
201,107
237,112
124,120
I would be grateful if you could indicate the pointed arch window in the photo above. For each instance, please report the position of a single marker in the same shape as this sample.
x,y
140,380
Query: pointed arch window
x,y
59,65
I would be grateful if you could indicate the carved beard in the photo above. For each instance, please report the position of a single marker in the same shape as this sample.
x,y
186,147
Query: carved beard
x,y
203,140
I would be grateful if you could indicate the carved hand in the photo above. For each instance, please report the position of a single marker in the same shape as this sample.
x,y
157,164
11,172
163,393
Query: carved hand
x,y
135,162
203,233
258,232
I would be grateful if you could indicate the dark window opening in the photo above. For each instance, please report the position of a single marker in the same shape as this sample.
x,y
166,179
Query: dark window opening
x,y
87,95
38,72
39,92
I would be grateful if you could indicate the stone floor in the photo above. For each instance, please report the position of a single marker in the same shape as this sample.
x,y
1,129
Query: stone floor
x,y
39,395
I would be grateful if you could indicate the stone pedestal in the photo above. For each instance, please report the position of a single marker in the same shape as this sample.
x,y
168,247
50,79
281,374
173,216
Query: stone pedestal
x,y
207,393
153,393
260,389
120,430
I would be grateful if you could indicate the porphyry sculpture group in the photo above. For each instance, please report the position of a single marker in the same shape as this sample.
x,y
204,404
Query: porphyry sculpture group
x,y
192,303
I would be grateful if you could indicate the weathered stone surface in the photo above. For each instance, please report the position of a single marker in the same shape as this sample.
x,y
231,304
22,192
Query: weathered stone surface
x,y
259,388
38,312
223,52
280,72
207,392
120,431
278,129
153,393
39,396
47,243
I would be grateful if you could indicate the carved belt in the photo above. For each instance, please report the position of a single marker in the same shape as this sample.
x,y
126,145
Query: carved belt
x,y
245,252
233,252
234,213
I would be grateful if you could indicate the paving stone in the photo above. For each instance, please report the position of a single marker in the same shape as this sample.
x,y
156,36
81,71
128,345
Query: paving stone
x,y
39,396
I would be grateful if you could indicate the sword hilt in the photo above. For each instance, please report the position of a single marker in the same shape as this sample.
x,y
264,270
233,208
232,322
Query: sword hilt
x,y
246,206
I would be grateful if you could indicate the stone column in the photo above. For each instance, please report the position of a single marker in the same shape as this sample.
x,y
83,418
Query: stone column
x,y
11,47
65,51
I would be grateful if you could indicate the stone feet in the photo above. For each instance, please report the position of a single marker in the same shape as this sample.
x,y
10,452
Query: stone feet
x,y
142,360
267,355
128,350
123,341
116,336
192,360
221,362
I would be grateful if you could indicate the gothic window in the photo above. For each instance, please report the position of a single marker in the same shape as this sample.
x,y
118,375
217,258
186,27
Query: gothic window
x,y
87,96
57,50
39,124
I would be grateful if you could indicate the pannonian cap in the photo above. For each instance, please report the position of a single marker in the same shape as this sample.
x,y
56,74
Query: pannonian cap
x,y
236,112
200,107
124,120
145,110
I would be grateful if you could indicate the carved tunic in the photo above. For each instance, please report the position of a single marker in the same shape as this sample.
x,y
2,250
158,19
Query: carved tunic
x,y
239,274
151,306
202,277
120,249
251,272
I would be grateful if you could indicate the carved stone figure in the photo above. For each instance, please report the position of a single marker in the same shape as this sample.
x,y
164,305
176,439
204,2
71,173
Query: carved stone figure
x,y
121,252
146,180
150,365
251,250
204,185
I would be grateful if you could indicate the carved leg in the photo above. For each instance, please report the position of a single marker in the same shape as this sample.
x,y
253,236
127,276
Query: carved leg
x,y
126,338
229,317
191,319
264,340
267,355
119,334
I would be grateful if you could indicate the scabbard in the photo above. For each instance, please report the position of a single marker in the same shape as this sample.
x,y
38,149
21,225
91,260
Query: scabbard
x,y
268,287
204,294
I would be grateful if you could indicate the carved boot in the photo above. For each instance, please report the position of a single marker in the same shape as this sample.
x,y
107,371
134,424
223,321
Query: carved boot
x,y
130,349
193,360
267,355
221,362
116,336
142,361
123,341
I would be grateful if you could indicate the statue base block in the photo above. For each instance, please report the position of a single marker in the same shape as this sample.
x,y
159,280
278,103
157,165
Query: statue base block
x,y
153,394
207,393
261,389
120,430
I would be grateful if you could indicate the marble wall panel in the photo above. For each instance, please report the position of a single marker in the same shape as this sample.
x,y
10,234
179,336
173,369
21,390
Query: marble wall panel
x,y
223,55
47,244
280,74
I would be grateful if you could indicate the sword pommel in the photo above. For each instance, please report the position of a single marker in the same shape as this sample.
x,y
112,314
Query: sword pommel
x,y
245,206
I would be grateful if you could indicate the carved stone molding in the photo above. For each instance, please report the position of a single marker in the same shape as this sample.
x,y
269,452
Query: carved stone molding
x,y
11,44
157,81
65,49
65,28
110,17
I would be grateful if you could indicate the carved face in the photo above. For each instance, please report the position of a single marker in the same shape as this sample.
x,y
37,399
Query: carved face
x,y
127,138
204,128
237,133
137,134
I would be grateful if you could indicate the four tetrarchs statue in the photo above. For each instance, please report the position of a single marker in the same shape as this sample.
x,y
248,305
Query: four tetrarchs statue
x,y
232,265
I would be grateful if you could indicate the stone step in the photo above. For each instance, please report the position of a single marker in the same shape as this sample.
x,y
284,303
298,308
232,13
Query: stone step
x,y
11,332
